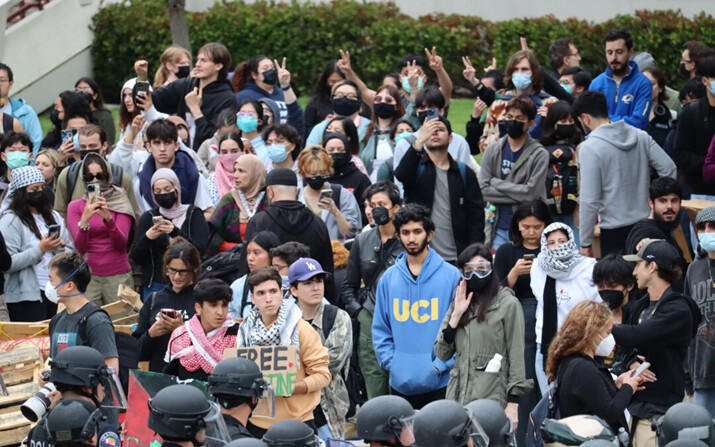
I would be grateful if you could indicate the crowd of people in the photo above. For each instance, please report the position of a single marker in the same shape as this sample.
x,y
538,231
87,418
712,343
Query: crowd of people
x,y
545,252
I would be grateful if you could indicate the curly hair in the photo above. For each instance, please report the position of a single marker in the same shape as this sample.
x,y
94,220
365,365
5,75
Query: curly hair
x,y
584,321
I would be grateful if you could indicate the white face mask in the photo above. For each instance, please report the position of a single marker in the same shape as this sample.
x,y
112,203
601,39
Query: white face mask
x,y
51,293
606,346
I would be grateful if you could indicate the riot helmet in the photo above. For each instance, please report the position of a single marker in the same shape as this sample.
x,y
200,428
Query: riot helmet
x,y
445,423
685,421
384,418
497,426
73,422
290,433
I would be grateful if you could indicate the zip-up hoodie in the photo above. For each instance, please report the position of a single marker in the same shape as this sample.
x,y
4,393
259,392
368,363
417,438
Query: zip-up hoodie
x,y
615,176
630,100
701,355
408,314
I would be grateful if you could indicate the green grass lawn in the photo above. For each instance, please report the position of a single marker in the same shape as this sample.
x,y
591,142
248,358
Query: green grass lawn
x,y
459,112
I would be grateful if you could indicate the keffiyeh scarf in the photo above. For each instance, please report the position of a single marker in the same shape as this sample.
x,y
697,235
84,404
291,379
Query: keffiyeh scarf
x,y
195,349
559,262
283,331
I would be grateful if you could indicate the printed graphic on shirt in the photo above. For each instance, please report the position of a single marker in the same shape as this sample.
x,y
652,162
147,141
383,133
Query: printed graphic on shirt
x,y
109,439
420,311
562,296
506,167
704,294
627,99
63,340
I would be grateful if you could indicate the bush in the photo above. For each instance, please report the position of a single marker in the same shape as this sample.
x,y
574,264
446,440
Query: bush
x,y
376,34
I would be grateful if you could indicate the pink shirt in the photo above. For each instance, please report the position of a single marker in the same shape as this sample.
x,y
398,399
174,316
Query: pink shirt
x,y
105,244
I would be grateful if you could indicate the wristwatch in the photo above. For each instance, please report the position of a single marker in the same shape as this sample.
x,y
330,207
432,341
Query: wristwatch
x,y
79,224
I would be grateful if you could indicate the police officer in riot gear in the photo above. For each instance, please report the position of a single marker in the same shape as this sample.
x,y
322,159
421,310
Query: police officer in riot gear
x,y
183,416
73,423
290,433
247,442
79,372
497,426
237,384
445,423
685,421
386,421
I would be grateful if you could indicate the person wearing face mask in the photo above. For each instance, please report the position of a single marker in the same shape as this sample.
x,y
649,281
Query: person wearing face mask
x,y
699,287
484,322
67,105
25,225
283,144
347,102
102,227
523,76
345,172
208,152
372,252
229,147
388,109
319,106
338,209
585,384
283,256
513,168
154,235
560,279
250,123
175,64
15,152
260,77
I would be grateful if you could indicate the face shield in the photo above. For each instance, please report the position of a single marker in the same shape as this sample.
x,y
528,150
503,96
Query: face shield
x,y
216,432
475,432
403,427
112,389
266,406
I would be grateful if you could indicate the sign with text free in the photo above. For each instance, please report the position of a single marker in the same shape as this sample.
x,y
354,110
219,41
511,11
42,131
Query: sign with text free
x,y
279,365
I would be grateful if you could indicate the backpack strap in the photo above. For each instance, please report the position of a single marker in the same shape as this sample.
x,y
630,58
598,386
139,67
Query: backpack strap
x,y
330,312
7,123
462,172
72,173
88,312
244,297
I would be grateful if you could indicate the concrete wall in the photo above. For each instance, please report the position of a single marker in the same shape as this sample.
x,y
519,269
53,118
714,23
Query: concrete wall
x,y
508,9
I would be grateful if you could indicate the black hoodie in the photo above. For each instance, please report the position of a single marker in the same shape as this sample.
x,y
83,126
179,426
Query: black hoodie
x,y
216,97
663,339
355,181
290,220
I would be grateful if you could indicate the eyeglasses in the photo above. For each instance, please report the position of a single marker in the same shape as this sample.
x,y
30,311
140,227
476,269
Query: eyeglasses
x,y
577,53
4,81
280,267
101,176
682,61
172,271
386,99
480,268
349,96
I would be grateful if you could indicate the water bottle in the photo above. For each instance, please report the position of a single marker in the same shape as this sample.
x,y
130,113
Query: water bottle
x,y
623,436
494,365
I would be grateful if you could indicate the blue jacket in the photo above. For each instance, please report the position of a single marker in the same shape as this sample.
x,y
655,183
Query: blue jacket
x,y
631,100
408,314
28,118
289,113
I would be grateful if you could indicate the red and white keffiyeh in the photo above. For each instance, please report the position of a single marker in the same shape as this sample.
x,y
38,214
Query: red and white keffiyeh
x,y
195,349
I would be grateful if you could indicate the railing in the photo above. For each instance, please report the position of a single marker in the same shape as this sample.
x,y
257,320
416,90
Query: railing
x,y
19,11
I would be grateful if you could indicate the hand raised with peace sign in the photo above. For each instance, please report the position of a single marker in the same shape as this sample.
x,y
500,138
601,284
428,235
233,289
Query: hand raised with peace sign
x,y
344,62
469,71
435,61
283,73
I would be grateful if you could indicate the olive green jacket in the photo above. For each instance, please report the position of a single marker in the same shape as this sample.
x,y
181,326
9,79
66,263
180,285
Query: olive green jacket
x,y
502,332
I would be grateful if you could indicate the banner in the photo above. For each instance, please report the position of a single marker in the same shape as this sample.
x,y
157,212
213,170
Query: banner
x,y
279,365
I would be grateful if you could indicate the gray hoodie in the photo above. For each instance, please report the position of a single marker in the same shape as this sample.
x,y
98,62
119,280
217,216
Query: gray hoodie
x,y
615,177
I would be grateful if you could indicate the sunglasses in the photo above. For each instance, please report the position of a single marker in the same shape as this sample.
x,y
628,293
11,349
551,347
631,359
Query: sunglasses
x,y
102,177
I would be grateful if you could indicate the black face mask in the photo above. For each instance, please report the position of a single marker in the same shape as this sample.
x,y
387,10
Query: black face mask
x,y
83,154
614,298
345,106
184,71
383,110
316,182
684,71
476,284
270,76
381,215
513,128
36,198
166,200
340,160
565,131
55,117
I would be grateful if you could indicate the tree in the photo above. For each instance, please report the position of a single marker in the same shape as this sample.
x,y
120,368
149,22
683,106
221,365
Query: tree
x,y
177,21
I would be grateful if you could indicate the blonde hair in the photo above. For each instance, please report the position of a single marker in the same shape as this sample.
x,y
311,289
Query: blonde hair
x,y
313,156
51,154
170,55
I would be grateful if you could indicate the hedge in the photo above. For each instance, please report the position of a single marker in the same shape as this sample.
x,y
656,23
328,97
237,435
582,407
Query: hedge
x,y
376,34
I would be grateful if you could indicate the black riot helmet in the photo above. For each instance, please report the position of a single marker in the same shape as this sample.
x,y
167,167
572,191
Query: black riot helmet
x,y
445,423
73,422
491,416
383,418
247,442
177,412
238,377
290,433
685,421
686,443
77,366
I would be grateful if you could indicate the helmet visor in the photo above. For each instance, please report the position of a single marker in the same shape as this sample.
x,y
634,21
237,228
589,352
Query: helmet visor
x,y
216,430
406,432
113,392
476,432
266,407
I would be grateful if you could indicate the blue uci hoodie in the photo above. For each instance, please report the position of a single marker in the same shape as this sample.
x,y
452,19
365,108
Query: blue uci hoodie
x,y
630,100
289,113
408,314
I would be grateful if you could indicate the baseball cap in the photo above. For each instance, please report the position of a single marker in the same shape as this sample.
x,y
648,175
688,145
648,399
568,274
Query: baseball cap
x,y
704,215
658,251
303,269
282,177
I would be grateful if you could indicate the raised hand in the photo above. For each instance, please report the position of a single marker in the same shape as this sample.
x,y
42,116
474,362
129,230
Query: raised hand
x,y
141,68
344,62
435,61
283,73
469,71
493,66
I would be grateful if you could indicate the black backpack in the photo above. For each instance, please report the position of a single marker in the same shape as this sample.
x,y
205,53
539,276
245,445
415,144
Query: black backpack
x,y
127,346
224,265
561,180
354,382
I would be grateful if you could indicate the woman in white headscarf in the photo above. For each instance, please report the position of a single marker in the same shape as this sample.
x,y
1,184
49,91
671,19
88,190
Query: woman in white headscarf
x,y
560,279
159,225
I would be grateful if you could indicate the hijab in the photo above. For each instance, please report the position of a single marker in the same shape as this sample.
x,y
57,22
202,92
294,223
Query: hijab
x,y
176,214
559,262
224,172
253,193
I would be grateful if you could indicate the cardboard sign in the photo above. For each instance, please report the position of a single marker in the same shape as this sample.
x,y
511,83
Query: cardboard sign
x,y
144,385
277,363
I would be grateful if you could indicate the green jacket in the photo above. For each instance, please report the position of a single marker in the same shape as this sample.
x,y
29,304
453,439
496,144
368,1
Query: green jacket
x,y
502,332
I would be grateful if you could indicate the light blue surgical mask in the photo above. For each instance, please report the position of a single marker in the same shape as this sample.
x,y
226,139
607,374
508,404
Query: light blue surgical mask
x,y
712,88
247,123
17,159
402,136
277,153
707,241
567,88
521,81
406,84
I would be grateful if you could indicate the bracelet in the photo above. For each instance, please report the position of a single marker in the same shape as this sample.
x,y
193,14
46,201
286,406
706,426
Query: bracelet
x,y
286,88
79,224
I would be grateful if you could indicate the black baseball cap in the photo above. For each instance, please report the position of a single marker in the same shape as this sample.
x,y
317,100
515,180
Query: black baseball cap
x,y
282,176
658,251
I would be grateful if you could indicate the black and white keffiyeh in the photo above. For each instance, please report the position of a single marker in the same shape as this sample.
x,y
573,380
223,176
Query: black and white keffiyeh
x,y
557,263
24,176
283,331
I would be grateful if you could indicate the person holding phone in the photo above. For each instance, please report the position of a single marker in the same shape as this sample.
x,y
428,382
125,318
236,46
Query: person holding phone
x,y
102,226
167,309
346,173
333,203
156,228
25,226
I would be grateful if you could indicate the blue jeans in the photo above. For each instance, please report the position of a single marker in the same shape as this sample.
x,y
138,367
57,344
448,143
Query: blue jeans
x,y
325,433
706,398
501,236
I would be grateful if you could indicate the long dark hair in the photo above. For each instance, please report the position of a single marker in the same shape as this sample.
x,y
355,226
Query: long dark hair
x,y
482,300
558,111
97,102
322,95
19,206
125,116
399,109
534,208
75,105
181,249
242,73
350,132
